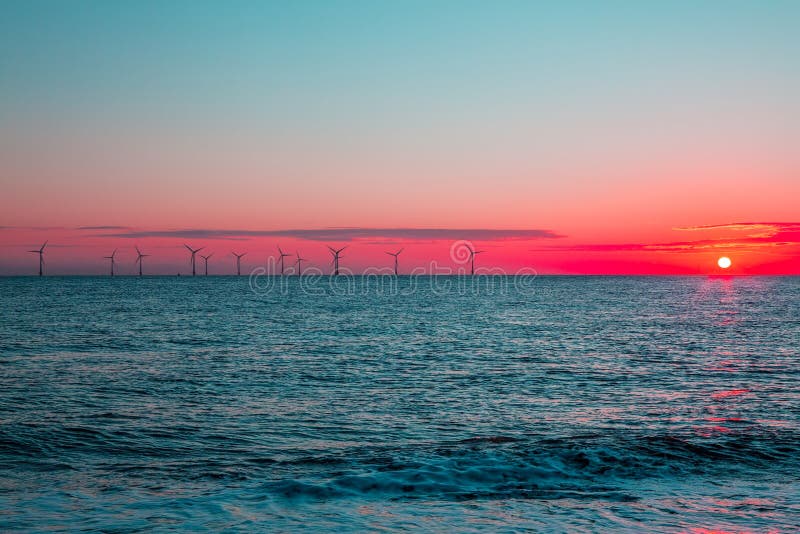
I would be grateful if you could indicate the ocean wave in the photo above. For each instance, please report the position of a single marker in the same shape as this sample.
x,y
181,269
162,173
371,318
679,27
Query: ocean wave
x,y
509,467
481,465
595,466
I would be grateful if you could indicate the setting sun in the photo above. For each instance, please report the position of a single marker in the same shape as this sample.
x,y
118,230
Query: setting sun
x,y
724,262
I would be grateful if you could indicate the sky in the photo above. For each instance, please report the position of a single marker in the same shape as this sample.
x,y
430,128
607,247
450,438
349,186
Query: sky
x,y
570,137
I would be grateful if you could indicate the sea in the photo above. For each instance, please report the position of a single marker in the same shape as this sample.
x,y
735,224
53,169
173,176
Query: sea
x,y
388,404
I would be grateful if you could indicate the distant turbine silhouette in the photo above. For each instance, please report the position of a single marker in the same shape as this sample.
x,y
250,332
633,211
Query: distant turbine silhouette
x,y
40,252
472,254
239,262
335,261
299,263
205,258
395,254
112,260
282,255
193,251
139,258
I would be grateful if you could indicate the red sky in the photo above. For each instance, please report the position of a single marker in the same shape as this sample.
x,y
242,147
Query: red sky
x,y
754,248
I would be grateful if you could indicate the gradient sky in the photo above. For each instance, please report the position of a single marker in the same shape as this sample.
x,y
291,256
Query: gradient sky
x,y
568,137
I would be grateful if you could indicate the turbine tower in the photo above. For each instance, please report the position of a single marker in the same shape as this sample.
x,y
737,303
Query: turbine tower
x,y
299,264
193,251
40,252
395,254
112,260
205,259
472,254
282,255
336,259
239,262
139,259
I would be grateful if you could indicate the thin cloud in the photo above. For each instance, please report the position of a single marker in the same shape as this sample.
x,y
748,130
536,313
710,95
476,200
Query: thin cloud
x,y
35,228
759,235
754,229
677,246
103,228
350,234
50,245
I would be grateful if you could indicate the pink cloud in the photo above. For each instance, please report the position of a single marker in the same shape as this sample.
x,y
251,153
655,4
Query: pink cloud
x,y
754,229
758,236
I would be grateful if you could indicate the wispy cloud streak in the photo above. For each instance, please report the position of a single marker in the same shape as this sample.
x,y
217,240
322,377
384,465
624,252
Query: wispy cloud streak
x,y
753,229
349,234
758,235
103,228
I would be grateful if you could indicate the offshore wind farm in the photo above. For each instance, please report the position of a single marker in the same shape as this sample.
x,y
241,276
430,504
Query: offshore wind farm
x,y
271,262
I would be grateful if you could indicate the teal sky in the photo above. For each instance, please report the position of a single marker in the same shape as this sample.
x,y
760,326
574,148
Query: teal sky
x,y
603,121
201,60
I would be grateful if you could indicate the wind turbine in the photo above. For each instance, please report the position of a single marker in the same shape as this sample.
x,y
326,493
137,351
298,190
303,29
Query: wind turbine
x,y
112,260
282,255
395,254
205,258
472,254
239,262
193,251
336,258
139,259
299,264
40,252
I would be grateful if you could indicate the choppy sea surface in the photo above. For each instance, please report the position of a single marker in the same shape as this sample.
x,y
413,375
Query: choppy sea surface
x,y
571,404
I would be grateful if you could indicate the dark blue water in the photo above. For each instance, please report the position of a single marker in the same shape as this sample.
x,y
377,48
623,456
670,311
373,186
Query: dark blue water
x,y
570,404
